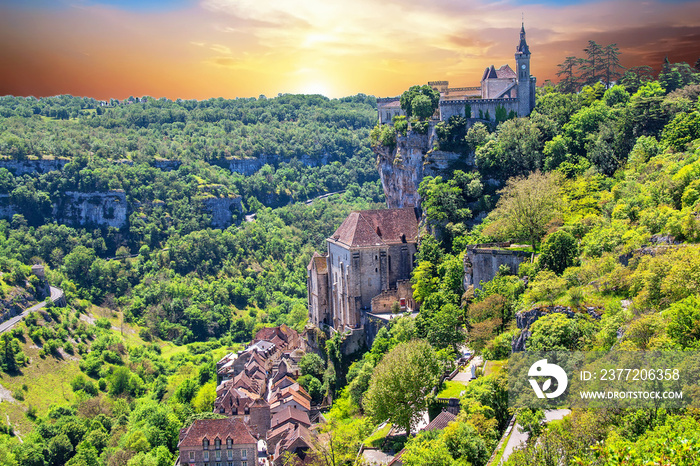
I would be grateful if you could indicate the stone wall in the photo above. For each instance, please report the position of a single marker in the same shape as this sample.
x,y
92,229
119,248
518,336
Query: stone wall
x,y
383,302
33,166
481,262
97,208
457,107
525,319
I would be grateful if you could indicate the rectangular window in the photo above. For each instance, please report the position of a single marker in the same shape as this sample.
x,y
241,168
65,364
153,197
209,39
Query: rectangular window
x,y
244,454
218,455
191,456
230,454
244,463
206,456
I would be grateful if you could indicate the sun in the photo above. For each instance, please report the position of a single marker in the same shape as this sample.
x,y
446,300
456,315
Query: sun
x,y
316,87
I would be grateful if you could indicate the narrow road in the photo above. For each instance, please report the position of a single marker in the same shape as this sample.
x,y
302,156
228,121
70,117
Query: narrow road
x,y
56,295
517,438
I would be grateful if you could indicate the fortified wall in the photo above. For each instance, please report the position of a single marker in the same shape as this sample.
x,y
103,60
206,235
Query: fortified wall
x,y
482,261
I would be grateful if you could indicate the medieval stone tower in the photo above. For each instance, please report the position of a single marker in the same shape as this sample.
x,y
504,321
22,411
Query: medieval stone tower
x,y
526,84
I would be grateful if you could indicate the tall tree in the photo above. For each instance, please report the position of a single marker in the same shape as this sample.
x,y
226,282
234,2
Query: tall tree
x,y
569,82
611,63
526,207
592,66
401,383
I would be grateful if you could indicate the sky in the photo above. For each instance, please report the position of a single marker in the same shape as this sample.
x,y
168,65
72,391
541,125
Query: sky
x,y
199,49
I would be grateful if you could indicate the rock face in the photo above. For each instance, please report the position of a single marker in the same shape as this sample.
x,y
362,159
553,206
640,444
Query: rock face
x,y
403,167
7,210
525,319
223,210
33,166
481,262
249,166
96,208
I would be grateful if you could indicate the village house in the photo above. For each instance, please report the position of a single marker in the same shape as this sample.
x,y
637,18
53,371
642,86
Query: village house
x,y
220,442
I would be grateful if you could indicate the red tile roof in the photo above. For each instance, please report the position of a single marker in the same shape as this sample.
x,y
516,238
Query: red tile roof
x,y
378,227
232,428
290,414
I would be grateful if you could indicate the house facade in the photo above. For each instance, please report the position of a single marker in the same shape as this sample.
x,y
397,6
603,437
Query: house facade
x,y
217,442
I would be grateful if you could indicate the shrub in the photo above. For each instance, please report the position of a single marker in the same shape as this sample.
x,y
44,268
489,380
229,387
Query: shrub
x,y
559,251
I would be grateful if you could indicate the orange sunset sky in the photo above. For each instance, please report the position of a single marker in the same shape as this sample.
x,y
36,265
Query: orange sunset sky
x,y
240,48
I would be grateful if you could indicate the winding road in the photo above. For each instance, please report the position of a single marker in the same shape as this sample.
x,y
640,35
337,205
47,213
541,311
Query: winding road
x,y
56,295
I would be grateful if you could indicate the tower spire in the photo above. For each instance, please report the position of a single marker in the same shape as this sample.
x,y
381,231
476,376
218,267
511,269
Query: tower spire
x,y
523,48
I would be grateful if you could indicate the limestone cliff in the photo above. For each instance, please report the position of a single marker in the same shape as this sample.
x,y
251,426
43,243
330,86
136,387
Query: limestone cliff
x,y
251,165
526,318
96,208
403,167
223,210
19,168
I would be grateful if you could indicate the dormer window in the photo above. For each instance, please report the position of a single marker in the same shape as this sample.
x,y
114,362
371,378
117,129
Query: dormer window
x,y
205,444
246,410
217,444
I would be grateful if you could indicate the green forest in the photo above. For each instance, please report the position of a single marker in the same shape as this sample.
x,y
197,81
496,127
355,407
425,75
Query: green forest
x,y
600,183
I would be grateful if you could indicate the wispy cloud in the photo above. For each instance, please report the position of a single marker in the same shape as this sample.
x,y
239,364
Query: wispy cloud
x,y
247,47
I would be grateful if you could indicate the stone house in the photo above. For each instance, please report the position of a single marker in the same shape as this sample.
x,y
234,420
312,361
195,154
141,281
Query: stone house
x,y
217,442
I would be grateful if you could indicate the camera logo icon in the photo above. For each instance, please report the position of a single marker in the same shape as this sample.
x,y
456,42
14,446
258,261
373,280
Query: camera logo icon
x,y
542,369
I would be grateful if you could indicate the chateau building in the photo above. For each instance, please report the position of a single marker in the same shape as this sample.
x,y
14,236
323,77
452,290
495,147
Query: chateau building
x,y
501,88
370,255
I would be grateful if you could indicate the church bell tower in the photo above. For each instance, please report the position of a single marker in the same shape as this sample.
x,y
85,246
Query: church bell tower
x,y
526,91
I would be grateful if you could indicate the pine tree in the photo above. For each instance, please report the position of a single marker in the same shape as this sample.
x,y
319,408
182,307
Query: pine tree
x,y
611,63
570,82
592,67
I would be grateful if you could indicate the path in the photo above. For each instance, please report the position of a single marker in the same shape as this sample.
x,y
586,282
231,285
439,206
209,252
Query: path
x,y
251,217
517,438
56,295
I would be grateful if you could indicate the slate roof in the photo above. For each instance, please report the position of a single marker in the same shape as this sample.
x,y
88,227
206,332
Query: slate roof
x,y
378,228
504,72
440,421
232,428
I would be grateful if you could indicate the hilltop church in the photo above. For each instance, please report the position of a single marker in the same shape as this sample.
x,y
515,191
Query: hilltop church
x,y
501,88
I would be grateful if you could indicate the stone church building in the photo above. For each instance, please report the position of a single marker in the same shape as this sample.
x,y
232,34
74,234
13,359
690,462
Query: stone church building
x,y
511,90
365,270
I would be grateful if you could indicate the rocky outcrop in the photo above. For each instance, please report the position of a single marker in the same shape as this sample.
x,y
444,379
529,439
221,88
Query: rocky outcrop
x,y
166,165
403,167
24,167
97,208
251,165
7,210
526,318
223,210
